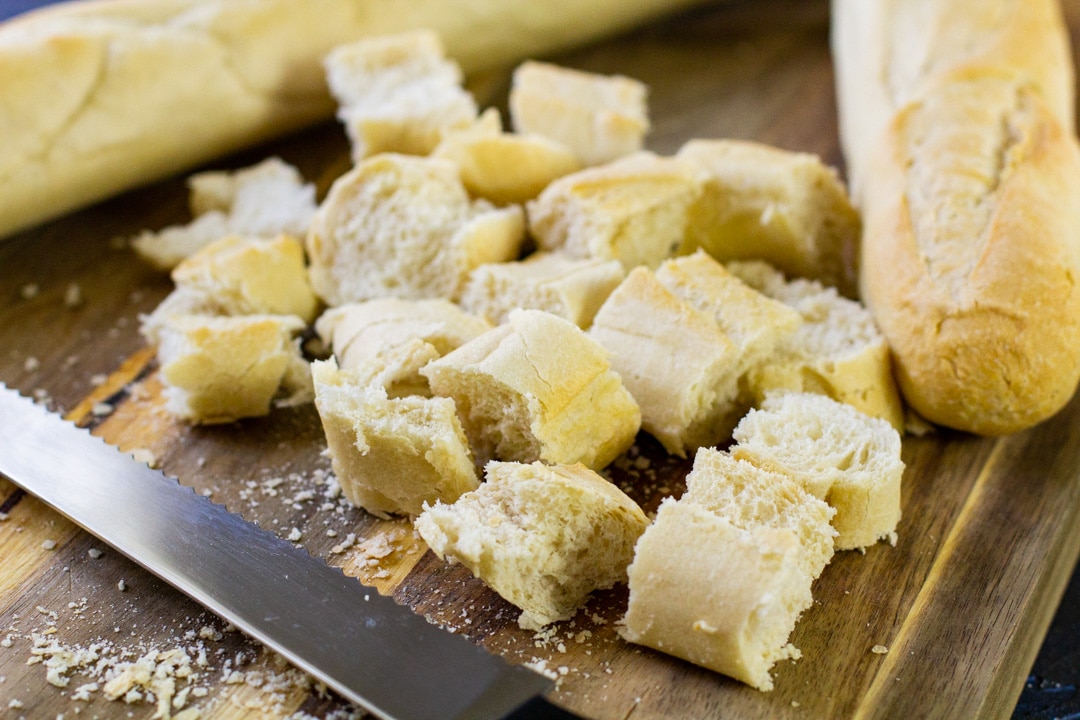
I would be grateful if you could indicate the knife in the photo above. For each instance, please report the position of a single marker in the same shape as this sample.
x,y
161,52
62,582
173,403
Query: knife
x,y
373,651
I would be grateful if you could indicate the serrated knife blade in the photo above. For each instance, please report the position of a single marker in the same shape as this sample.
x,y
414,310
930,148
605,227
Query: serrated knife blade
x,y
373,651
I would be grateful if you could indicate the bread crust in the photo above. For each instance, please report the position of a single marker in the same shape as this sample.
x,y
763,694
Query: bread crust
x,y
888,52
967,170
996,350
103,95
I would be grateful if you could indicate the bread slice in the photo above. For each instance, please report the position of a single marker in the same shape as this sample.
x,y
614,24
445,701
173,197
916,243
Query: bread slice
x,y
505,167
221,369
538,388
749,496
839,454
677,363
717,595
543,537
784,207
397,93
634,210
756,323
264,200
390,455
239,276
572,288
359,333
403,226
837,351
599,117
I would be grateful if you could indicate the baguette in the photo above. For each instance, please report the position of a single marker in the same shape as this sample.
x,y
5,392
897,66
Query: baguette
x,y
966,168
104,95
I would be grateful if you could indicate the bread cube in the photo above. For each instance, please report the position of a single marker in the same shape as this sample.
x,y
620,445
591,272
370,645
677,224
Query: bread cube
x,y
397,93
757,324
264,201
838,453
420,331
505,167
784,207
572,288
677,363
543,537
238,276
403,226
837,350
634,210
749,496
221,369
390,455
599,117
719,596
538,388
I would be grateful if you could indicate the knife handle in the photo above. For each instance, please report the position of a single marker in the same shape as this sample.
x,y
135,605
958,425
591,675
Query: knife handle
x,y
540,709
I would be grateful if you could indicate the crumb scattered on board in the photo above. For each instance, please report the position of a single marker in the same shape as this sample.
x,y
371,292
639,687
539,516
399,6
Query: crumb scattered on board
x,y
173,678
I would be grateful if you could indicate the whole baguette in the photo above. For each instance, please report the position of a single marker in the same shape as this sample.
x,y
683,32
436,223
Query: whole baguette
x,y
967,172
102,95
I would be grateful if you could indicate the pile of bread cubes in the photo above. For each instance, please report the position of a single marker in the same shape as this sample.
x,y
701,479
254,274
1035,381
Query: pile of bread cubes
x,y
507,310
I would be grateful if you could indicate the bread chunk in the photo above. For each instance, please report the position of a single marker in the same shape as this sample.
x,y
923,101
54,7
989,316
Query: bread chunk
x,y
677,363
420,330
538,388
749,496
837,351
784,207
263,201
391,455
505,167
839,454
543,537
572,288
404,226
634,210
239,276
397,93
599,117
719,596
756,323
221,369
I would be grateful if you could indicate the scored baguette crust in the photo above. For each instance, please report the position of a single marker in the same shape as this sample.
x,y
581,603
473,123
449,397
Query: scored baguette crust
x,y
102,95
887,53
971,244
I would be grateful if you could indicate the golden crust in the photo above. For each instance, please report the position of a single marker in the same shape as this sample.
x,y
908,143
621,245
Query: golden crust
x,y
110,94
998,349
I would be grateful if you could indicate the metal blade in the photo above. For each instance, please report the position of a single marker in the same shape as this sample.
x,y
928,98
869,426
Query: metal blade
x,y
373,651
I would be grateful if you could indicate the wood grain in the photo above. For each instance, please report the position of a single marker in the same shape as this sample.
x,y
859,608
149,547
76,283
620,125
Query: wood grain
x,y
989,535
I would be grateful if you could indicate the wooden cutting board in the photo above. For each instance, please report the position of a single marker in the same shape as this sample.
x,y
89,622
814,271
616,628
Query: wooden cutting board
x,y
944,624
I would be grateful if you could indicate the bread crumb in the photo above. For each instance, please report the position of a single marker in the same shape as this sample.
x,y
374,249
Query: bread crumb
x,y
48,545
29,291
145,455
295,535
121,586
879,650
101,409
15,704
94,553
344,545
73,295
32,364
794,703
